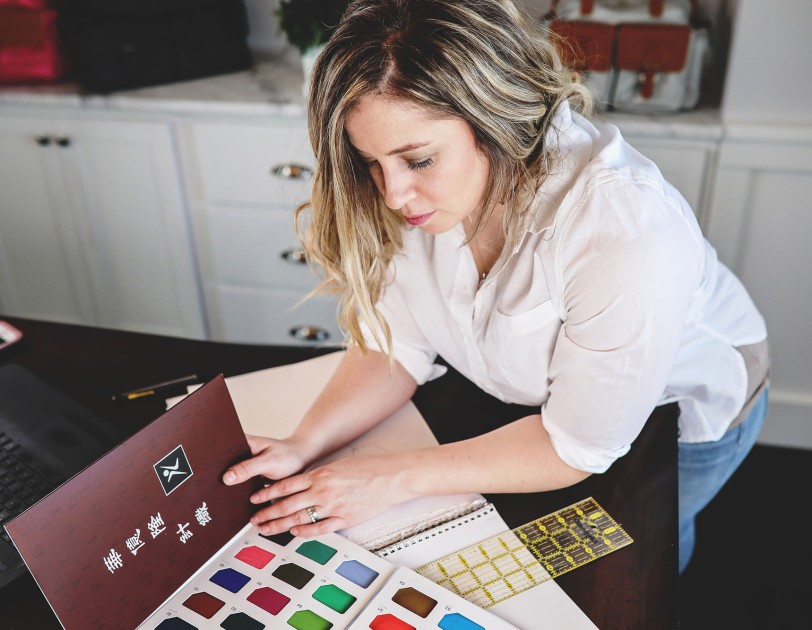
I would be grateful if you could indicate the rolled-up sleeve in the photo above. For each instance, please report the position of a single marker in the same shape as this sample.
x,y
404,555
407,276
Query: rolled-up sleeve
x,y
626,289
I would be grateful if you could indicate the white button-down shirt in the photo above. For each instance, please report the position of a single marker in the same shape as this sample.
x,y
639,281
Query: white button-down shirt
x,y
611,303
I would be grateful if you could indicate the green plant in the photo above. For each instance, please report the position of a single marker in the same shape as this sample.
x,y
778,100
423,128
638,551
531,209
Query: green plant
x,y
309,23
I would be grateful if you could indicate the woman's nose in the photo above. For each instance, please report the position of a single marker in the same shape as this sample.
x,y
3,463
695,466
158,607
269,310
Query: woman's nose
x,y
398,190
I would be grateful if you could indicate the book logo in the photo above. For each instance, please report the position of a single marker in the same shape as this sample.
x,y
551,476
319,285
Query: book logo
x,y
173,470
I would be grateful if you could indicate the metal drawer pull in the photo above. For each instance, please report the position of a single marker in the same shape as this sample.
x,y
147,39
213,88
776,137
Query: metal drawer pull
x,y
295,255
292,171
43,141
63,141
309,333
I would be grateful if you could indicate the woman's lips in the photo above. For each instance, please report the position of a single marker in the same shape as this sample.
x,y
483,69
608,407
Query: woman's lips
x,y
419,219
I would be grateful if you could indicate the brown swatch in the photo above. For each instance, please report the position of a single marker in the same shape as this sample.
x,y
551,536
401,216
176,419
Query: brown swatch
x,y
415,601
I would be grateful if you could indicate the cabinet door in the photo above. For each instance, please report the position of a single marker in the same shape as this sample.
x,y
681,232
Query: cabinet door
x,y
93,226
141,263
42,270
761,226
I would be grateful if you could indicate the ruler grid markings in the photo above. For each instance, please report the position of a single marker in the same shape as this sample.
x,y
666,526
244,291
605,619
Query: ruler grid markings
x,y
510,563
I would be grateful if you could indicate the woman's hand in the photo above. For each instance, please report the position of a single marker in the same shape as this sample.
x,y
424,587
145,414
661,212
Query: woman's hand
x,y
273,459
342,493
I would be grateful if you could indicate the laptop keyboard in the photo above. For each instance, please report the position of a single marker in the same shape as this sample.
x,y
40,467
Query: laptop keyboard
x,y
20,485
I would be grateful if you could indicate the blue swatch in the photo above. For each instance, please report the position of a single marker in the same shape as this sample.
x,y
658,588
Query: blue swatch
x,y
455,621
229,579
357,573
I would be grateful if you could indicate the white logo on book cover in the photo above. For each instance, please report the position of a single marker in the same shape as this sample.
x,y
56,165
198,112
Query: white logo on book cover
x,y
173,469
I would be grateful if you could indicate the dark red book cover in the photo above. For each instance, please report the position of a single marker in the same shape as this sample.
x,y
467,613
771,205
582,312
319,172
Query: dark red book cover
x,y
112,543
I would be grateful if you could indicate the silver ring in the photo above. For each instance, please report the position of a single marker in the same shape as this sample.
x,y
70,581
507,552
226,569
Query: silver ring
x,y
311,512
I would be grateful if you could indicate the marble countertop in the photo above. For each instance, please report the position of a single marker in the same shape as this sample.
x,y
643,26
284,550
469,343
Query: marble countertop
x,y
274,87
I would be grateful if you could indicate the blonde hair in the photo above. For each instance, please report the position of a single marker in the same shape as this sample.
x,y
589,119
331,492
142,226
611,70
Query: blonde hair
x,y
483,61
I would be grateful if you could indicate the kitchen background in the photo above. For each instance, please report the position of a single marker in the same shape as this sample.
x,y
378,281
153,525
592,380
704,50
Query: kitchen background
x,y
168,209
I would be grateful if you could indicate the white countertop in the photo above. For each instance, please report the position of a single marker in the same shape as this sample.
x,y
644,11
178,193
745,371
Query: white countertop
x,y
274,87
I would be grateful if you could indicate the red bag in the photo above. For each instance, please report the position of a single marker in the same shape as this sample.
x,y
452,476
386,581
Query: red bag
x,y
29,43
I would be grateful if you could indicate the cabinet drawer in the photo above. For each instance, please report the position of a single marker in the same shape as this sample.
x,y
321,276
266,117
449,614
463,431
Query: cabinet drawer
x,y
254,247
253,316
254,164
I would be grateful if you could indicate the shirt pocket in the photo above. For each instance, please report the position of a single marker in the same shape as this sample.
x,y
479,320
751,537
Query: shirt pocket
x,y
522,323
521,351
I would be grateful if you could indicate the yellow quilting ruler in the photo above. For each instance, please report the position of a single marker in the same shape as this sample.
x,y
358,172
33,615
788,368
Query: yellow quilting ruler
x,y
512,562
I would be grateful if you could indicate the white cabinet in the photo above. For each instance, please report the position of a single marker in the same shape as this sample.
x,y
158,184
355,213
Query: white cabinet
x,y
761,225
246,177
93,224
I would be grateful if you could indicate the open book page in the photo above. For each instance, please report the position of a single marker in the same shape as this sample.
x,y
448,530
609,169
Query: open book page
x,y
272,402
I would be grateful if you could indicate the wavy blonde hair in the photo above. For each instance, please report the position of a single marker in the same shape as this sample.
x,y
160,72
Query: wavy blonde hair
x,y
483,61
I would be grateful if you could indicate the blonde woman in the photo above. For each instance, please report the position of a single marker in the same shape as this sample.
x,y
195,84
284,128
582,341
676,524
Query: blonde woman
x,y
464,206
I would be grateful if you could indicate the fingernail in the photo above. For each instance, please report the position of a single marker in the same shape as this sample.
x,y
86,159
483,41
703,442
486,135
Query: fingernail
x,y
230,477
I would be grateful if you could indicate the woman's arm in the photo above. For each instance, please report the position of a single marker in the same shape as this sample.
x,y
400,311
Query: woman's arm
x,y
361,393
518,457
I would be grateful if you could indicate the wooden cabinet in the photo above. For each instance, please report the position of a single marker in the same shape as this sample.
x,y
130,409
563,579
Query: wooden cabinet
x,y
93,224
246,177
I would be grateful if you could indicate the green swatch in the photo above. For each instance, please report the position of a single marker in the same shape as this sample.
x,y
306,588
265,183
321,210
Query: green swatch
x,y
316,551
332,596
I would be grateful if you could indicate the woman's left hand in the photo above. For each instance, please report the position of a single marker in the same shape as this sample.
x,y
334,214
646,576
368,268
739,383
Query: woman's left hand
x,y
342,493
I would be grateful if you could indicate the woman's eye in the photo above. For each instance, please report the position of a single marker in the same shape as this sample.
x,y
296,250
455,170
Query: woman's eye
x,y
423,164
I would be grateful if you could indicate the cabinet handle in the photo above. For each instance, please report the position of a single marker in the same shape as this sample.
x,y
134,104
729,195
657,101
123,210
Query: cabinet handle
x,y
295,256
309,333
292,171
43,141
63,141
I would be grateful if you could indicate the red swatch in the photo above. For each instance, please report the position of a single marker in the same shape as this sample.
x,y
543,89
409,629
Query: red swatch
x,y
254,556
269,600
389,622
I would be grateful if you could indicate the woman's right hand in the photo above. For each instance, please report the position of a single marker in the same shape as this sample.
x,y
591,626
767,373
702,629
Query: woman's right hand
x,y
272,459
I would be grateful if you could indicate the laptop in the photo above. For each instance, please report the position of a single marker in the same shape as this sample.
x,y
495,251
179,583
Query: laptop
x,y
45,438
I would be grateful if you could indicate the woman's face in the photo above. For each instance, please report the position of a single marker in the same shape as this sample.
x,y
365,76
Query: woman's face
x,y
426,168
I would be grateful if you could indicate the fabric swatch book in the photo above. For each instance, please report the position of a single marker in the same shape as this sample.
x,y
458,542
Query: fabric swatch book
x,y
271,402
148,537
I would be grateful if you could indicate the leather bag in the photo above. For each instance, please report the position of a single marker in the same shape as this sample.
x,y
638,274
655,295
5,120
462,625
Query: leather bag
x,y
642,56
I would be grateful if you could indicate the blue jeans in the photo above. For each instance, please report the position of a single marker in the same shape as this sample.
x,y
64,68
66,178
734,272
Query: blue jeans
x,y
704,467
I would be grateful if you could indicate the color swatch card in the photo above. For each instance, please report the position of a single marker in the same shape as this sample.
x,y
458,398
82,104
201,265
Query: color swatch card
x,y
323,583
278,582
409,601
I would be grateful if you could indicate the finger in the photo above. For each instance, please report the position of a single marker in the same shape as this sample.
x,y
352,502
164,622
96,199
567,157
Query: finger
x,y
328,525
282,488
276,524
244,470
285,508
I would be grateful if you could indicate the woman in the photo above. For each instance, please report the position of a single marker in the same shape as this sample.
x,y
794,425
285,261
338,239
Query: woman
x,y
464,206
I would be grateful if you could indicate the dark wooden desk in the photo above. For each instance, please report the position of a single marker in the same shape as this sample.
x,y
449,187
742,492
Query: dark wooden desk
x,y
634,588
